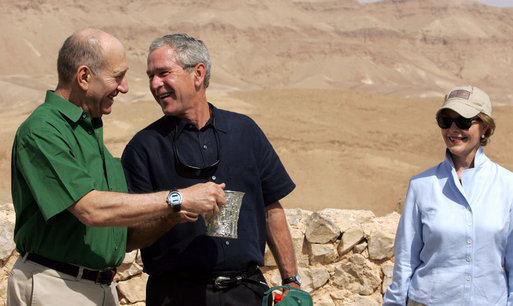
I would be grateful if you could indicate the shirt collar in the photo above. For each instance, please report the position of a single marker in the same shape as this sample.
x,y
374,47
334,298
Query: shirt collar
x,y
479,159
65,107
217,116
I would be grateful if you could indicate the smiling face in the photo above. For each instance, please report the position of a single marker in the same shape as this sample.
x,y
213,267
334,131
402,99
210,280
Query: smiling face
x,y
462,144
174,88
110,81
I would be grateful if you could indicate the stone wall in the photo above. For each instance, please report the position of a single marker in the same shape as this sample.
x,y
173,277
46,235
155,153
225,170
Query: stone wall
x,y
345,257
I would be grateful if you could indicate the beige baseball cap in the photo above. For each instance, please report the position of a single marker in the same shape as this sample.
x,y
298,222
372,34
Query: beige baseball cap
x,y
468,101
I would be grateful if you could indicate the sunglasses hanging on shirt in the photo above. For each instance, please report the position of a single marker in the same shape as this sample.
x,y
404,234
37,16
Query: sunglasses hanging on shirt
x,y
197,170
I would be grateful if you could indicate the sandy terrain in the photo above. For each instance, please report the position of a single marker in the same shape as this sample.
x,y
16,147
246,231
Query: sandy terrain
x,y
345,92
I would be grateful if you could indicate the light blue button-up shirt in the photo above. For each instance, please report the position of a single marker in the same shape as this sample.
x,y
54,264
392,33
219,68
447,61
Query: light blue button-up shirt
x,y
454,242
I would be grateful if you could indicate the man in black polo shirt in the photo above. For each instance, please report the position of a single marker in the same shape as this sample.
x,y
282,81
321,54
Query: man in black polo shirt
x,y
196,142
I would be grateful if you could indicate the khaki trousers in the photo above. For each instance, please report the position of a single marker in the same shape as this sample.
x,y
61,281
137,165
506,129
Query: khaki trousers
x,y
30,283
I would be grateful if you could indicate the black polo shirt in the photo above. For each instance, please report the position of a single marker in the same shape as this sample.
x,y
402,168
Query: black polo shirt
x,y
247,162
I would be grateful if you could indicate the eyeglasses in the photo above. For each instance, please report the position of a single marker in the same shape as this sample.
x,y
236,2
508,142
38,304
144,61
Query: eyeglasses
x,y
180,161
445,122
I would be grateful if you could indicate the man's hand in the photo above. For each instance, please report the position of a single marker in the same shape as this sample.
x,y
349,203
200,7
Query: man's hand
x,y
286,291
203,199
183,216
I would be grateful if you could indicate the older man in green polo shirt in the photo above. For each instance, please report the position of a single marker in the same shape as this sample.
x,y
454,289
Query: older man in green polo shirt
x,y
69,192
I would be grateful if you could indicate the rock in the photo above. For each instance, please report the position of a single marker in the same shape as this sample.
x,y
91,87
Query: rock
x,y
298,241
345,219
381,245
359,248
388,271
323,254
350,238
296,217
129,267
339,295
320,229
336,251
134,289
4,274
127,271
130,257
313,278
365,301
138,259
7,221
272,277
357,275
322,297
386,224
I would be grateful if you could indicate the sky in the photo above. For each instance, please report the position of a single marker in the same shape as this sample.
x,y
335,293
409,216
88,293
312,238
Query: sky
x,y
498,3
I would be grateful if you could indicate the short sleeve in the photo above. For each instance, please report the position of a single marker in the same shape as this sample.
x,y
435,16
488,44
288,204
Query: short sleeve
x,y
51,171
276,182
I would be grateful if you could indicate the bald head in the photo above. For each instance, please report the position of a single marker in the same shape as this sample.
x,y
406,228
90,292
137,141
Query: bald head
x,y
85,47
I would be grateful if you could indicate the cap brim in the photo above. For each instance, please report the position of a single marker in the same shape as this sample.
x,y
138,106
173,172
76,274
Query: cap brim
x,y
462,109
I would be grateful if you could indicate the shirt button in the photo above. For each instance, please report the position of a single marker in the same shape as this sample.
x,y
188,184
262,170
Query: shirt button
x,y
468,207
84,116
468,277
205,147
469,241
89,132
469,259
214,177
227,242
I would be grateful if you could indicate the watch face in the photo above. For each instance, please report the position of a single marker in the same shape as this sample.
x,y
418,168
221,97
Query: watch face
x,y
175,197
298,279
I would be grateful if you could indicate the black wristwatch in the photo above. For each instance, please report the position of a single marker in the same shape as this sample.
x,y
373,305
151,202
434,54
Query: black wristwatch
x,y
174,199
294,279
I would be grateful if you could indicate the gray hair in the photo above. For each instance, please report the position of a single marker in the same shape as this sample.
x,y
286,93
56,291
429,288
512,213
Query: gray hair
x,y
189,51
79,50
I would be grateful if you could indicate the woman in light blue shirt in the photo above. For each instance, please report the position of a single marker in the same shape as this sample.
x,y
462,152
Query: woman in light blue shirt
x,y
454,242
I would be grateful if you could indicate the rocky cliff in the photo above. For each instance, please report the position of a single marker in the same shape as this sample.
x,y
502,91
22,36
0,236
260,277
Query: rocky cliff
x,y
406,48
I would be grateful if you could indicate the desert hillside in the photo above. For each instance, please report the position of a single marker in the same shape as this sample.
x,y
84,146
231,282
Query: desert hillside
x,y
346,92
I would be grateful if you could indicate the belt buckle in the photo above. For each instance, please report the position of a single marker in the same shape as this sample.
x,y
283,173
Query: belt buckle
x,y
218,282
99,277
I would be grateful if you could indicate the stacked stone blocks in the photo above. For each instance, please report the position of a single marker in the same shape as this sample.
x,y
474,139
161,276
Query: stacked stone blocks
x,y
345,257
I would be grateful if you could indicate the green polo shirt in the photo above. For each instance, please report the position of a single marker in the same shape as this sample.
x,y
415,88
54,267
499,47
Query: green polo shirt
x,y
58,157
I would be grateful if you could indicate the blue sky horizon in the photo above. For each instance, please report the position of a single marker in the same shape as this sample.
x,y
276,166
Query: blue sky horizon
x,y
497,3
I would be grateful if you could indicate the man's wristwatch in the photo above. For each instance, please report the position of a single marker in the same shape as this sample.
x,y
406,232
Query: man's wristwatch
x,y
174,199
294,279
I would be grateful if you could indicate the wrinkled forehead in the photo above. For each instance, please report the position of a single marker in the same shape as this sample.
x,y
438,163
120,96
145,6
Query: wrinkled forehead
x,y
162,59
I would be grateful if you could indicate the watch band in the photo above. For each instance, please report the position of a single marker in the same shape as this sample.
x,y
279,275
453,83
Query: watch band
x,y
294,279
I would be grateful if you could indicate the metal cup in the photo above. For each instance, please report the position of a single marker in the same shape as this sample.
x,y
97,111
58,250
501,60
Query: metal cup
x,y
225,222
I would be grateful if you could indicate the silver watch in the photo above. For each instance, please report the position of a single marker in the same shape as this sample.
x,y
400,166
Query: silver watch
x,y
174,199
294,279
